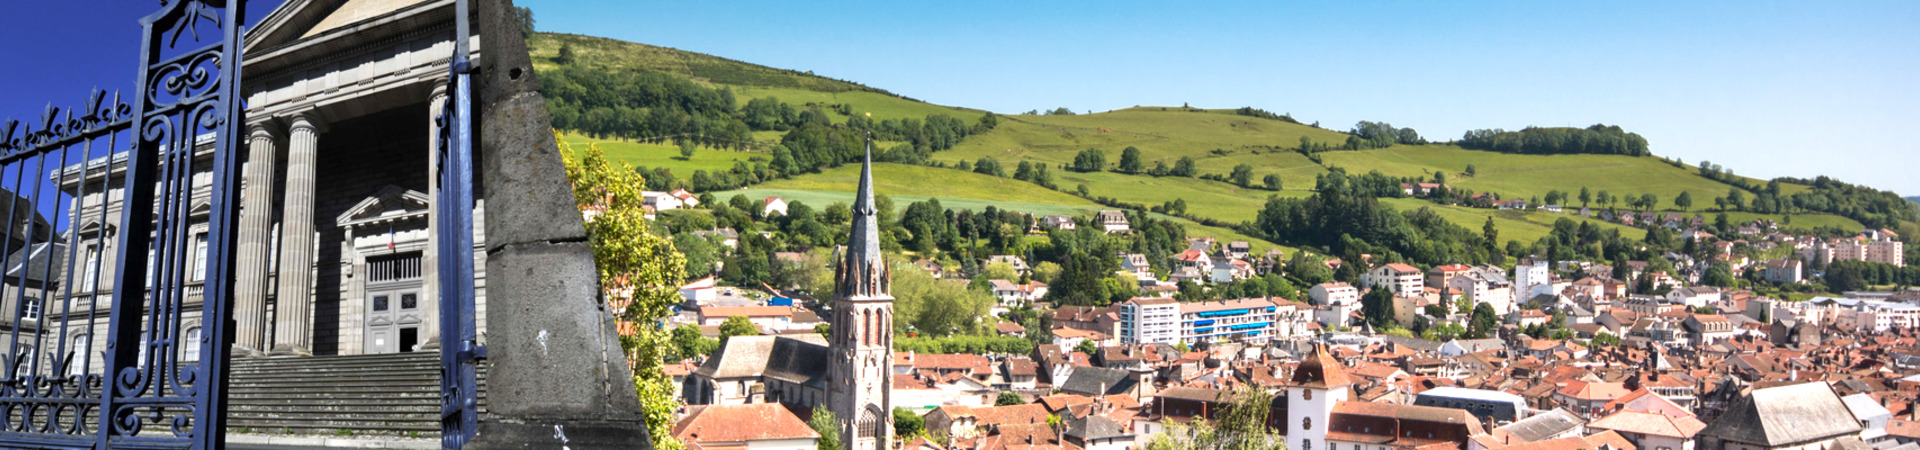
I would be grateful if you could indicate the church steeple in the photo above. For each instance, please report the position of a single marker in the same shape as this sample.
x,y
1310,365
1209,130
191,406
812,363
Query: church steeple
x,y
860,388
862,274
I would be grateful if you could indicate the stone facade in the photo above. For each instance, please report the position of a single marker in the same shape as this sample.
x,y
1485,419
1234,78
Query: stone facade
x,y
335,252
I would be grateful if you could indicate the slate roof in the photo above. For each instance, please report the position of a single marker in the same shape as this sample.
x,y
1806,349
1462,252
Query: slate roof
x,y
1785,416
1095,426
799,362
740,356
1088,381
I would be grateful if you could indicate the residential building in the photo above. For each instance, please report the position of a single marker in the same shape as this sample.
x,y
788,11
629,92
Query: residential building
x,y
1438,275
1335,293
1402,279
773,205
1112,221
1488,405
1150,320
1784,270
1058,222
1529,273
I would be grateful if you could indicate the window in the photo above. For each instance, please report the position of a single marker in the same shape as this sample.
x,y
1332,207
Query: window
x,y
1306,423
200,257
379,303
409,300
190,345
88,278
31,309
82,352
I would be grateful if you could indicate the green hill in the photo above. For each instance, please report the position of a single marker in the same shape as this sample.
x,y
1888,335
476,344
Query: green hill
x,y
1217,140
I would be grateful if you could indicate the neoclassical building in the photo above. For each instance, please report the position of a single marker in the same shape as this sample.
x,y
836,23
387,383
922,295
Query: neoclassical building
x,y
336,244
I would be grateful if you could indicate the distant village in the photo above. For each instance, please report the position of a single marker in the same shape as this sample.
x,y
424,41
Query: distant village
x,y
1544,355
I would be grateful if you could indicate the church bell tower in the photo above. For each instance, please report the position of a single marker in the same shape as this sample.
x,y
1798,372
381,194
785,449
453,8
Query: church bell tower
x,y
861,383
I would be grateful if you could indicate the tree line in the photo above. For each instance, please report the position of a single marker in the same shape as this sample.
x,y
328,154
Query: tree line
x,y
1596,139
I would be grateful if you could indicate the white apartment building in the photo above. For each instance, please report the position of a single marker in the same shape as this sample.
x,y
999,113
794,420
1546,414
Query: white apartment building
x,y
1402,279
1150,320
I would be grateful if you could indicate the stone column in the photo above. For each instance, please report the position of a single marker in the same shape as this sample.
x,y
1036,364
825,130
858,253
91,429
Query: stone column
x,y
256,240
557,378
429,260
292,326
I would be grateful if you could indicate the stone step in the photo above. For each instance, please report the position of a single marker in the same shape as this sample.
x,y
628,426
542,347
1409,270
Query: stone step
x,y
373,394
356,426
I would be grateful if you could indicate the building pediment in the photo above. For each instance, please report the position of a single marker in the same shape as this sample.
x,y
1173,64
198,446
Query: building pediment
x,y
300,19
388,205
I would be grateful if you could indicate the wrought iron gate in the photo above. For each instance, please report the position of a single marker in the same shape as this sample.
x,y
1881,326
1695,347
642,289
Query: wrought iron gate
x,y
104,343
460,350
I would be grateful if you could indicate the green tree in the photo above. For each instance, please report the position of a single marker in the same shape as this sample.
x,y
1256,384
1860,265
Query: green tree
x,y
1471,171
999,270
1736,199
1008,398
1604,339
701,254
1184,167
566,56
1585,196
1272,181
632,261
1684,200
1649,201
1484,321
1377,307
524,17
1130,161
827,427
1046,271
1490,233
989,166
906,424
1087,347
1242,175
1719,275
1090,160
737,326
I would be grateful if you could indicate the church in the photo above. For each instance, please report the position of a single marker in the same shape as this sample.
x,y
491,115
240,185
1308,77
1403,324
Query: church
x,y
848,373
336,243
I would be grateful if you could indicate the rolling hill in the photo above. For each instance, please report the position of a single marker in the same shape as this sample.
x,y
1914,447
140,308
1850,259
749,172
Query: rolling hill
x,y
1217,140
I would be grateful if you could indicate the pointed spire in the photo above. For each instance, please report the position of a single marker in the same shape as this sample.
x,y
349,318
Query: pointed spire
x,y
862,273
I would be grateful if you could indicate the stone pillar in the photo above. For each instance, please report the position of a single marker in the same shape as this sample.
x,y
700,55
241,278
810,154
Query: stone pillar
x,y
256,240
557,376
429,260
292,326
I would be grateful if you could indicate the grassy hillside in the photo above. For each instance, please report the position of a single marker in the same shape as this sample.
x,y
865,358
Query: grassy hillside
x,y
955,189
748,81
1217,140
1161,134
1529,176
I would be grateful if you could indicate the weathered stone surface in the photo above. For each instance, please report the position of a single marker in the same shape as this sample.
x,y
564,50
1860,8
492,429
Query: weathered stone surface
x,y
575,434
528,197
558,377
550,335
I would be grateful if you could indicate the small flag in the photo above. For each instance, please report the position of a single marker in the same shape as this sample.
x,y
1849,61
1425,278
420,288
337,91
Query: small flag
x,y
389,237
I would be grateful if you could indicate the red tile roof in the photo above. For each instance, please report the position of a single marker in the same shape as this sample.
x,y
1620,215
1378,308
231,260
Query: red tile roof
x,y
741,423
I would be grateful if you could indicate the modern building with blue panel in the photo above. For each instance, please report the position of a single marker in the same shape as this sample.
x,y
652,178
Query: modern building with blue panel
x,y
1160,320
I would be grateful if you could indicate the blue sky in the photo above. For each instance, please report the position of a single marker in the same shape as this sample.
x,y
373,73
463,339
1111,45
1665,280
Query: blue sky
x,y
1767,89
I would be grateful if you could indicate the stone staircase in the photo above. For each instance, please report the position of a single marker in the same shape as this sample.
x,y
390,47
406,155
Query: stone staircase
x,y
391,394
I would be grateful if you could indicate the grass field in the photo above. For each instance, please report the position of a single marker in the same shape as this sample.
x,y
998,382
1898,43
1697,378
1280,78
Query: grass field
x,y
957,190
1161,136
1530,176
1204,198
665,155
1523,226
